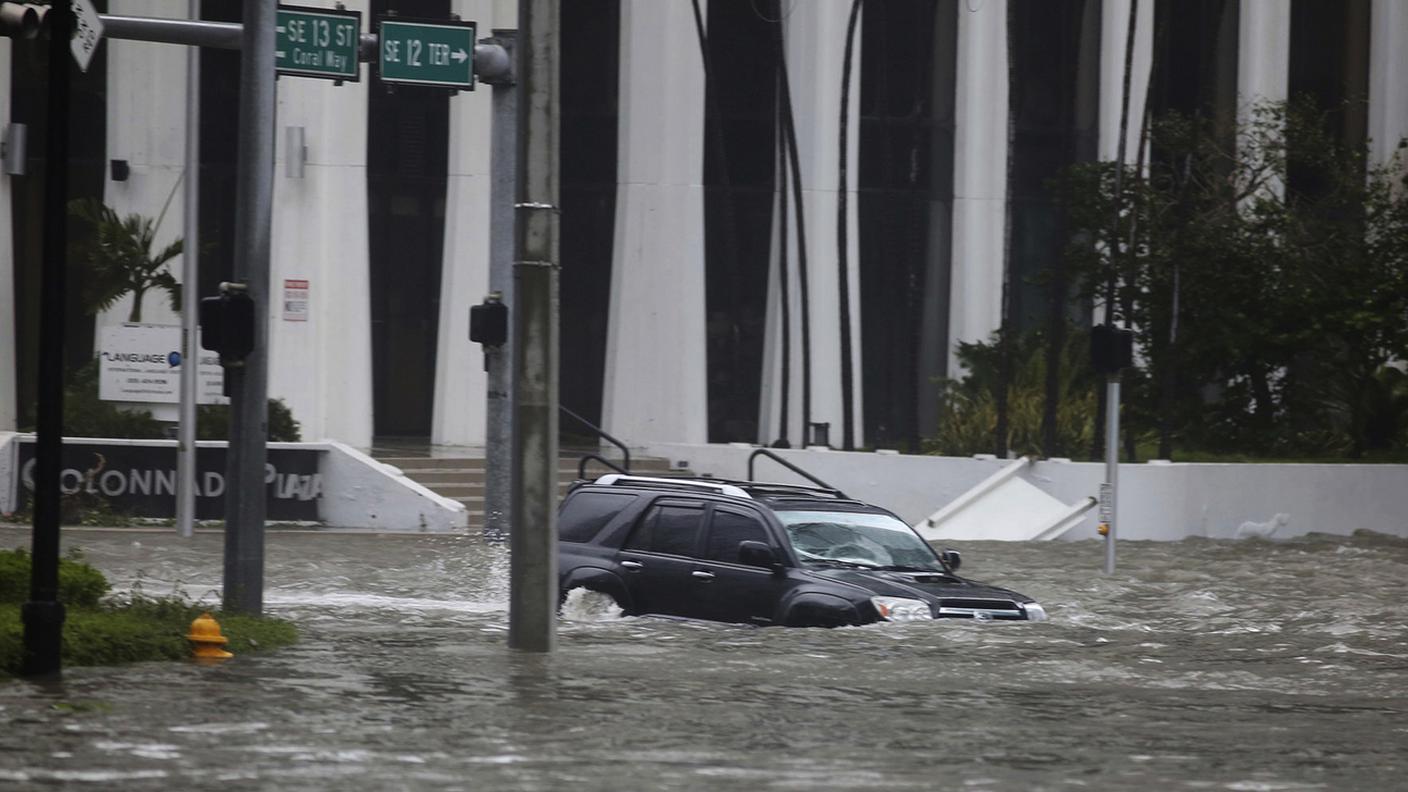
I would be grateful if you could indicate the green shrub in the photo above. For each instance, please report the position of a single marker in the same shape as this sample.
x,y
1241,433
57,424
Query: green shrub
x,y
213,422
85,415
137,628
968,410
80,585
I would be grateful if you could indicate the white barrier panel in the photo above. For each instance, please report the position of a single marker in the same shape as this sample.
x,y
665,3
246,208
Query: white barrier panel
x,y
1157,501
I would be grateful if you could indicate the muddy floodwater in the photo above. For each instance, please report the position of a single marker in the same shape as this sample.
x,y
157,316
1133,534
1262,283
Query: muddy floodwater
x,y
1200,665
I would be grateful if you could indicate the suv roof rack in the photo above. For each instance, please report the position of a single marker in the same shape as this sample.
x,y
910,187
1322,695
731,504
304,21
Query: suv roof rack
x,y
721,487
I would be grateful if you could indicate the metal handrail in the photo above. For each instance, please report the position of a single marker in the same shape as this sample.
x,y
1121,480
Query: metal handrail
x,y
625,452
582,466
774,457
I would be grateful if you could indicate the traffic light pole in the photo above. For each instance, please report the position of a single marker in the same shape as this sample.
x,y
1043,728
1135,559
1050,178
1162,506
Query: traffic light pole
x,y
245,506
533,545
43,614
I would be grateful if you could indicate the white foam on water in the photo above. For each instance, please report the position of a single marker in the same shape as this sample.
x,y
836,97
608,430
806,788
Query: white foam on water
x,y
586,605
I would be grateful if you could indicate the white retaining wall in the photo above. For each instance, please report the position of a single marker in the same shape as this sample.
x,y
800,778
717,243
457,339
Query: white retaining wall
x,y
1163,502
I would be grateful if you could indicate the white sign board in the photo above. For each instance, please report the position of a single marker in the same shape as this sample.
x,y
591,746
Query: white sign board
x,y
87,33
295,300
142,363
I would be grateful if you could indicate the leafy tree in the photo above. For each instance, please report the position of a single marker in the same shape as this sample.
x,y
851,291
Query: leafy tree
x,y
1266,277
120,259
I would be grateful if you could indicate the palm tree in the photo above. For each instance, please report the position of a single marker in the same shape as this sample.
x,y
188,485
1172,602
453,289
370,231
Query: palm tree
x,y
120,259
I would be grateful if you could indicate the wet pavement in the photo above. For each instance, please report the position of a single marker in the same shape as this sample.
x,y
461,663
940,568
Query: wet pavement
x,y
1200,665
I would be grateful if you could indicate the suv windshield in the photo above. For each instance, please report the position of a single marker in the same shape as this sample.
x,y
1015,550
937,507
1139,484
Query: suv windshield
x,y
858,538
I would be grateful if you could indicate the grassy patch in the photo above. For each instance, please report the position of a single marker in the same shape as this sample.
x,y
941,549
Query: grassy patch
x,y
119,630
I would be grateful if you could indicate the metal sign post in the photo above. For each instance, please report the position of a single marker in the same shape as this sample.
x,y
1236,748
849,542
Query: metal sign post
x,y
190,292
533,546
1112,469
245,506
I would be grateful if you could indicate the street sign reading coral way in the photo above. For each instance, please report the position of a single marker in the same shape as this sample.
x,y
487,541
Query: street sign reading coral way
x,y
439,53
318,42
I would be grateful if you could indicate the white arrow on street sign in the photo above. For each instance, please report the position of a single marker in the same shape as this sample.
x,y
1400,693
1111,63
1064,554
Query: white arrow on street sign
x,y
87,32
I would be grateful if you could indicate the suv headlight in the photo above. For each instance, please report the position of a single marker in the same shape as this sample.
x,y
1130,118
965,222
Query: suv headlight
x,y
1034,611
899,609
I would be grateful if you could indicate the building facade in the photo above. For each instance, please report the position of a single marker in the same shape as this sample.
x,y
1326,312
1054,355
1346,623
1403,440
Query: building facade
x,y
775,213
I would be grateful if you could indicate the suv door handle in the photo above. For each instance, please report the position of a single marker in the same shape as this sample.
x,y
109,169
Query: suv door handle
x,y
702,575
633,566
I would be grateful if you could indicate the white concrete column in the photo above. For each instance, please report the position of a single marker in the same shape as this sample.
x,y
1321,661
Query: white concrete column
x,y
655,386
1264,53
815,40
979,176
321,366
460,380
9,359
1388,77
1114,33
146,126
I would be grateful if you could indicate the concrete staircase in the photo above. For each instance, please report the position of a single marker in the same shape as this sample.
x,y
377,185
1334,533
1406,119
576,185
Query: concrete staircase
x,y
462,478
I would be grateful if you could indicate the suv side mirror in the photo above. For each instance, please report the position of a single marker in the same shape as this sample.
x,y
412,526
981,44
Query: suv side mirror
x,y
757,554
952,559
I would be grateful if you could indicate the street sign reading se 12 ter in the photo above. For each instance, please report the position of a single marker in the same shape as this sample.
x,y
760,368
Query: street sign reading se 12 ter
x,y
436,53
318,42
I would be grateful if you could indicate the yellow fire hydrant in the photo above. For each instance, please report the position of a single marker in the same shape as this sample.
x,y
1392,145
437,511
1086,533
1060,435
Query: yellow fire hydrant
x,y
206,639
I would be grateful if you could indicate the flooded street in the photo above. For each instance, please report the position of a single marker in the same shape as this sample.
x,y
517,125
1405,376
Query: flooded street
x,y
1201,665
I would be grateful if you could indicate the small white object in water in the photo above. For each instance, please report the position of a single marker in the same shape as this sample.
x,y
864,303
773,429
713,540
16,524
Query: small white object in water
x,y
1262,529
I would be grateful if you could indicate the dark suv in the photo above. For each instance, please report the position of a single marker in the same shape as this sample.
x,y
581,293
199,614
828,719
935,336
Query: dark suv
x,y
761,554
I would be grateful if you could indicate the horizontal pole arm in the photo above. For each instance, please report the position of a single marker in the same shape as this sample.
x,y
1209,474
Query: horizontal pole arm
x,y
220,35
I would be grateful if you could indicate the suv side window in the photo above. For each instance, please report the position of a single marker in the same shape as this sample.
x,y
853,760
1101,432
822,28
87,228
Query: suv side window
x,y
586,513
727,529
672,529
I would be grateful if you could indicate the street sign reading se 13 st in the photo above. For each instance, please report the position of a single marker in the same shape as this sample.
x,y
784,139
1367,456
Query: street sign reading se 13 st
x,y
318,42
436,53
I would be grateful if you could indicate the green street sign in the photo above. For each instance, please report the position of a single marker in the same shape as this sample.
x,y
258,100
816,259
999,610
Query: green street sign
x,y
317,42
439,53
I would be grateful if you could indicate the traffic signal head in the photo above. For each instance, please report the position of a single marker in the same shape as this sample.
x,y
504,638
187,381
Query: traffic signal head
x,y
227,326
1111,348
488,322
20,20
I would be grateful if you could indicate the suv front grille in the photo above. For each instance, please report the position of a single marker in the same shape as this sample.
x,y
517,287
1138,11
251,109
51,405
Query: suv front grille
x,y
956,608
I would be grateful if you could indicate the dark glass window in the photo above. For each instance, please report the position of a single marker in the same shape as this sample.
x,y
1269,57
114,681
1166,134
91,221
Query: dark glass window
x,y
590,46
1054,82
906,53
408,134
585,514
726,530
1329,64
739,176
672,530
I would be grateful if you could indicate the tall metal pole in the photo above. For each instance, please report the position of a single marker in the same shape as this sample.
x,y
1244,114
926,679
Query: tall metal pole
x,y
1112,388
533,564
43,614
254,197
1112,469
190,274
498,440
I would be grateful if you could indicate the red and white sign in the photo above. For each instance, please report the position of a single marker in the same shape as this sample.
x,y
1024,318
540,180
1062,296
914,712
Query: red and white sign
x,y
295,300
